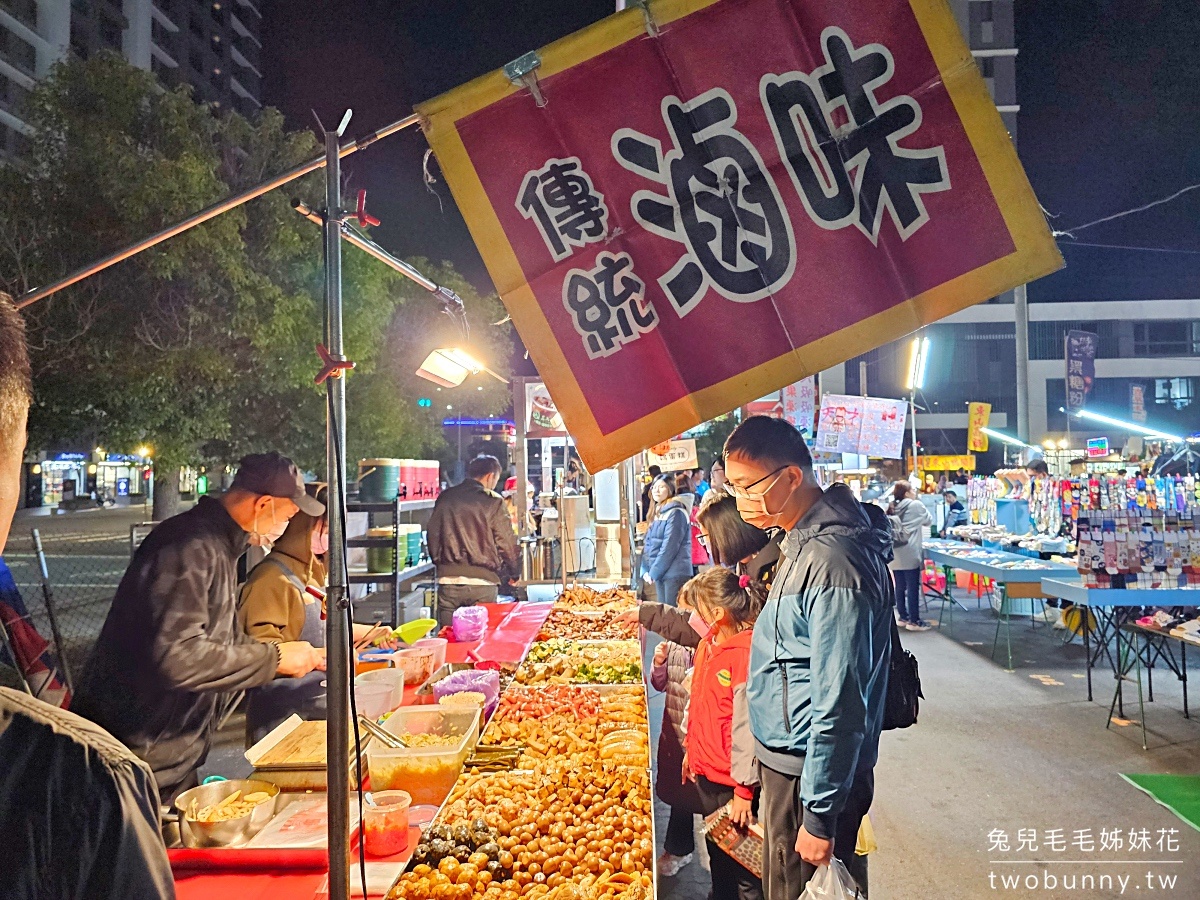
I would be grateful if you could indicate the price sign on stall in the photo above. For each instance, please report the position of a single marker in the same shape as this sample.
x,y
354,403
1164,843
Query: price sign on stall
x,y
691,206
1097,448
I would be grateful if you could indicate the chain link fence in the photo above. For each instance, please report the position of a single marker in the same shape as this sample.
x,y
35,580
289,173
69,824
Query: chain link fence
x,y
86,556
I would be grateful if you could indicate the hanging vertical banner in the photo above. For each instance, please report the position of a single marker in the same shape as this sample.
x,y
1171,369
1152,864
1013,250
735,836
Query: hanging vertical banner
x,y
1137,402
1081,367
978,416
800,404
867,426
689,205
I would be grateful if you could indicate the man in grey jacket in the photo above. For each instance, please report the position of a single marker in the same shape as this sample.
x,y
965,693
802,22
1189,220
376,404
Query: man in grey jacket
x,y
819,658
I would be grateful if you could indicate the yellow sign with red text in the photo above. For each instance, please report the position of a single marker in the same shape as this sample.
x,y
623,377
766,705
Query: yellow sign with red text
x,y
978,416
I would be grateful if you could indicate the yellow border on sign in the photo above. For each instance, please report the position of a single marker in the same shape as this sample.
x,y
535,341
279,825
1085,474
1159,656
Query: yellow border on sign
x,y
1035,252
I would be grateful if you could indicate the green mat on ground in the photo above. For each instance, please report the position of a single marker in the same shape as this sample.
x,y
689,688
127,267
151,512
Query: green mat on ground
x,y
1178,793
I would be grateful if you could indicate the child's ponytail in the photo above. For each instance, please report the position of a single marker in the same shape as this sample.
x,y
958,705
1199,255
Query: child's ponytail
x,y
739,595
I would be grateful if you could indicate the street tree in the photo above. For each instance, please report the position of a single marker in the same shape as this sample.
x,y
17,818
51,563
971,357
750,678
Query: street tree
x,y
203,347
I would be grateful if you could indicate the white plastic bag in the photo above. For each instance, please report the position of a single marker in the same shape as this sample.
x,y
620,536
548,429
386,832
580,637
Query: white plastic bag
x,y
831,882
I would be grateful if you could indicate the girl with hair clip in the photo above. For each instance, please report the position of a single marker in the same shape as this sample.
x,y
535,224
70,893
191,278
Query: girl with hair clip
x,y
720,747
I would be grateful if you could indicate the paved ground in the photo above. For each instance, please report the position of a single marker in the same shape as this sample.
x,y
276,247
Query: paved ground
x,y
1003,751
86,556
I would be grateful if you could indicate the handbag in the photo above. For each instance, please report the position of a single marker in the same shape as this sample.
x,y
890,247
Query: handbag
x,y
903,688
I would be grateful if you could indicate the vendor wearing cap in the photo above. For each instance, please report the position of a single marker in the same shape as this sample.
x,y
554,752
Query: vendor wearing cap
x,y
172,659
280,602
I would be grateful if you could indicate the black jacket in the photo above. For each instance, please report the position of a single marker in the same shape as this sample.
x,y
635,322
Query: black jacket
x,y
471,535
171,646
78,812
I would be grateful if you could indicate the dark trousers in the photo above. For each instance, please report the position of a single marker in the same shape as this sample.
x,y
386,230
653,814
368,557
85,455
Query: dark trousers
x,y
908,594
453,596
784,873
730,879
668,589
681,833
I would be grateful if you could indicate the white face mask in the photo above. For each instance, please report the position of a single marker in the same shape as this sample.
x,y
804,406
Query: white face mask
x,y
267,537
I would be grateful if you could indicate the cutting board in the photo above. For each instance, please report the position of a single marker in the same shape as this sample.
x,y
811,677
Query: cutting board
x,y
302,748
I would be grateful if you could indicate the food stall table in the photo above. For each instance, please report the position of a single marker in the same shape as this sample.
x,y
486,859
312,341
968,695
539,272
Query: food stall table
x,y
511,629
1017,577
1112,610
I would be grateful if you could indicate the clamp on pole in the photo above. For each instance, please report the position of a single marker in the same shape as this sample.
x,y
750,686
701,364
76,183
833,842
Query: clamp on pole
x,y
522,72
331,366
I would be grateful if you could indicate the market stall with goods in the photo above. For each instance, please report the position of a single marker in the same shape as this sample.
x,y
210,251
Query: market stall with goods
x,y
508,758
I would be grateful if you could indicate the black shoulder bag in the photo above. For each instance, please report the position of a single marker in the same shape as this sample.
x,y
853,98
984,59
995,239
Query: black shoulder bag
x,y
903,688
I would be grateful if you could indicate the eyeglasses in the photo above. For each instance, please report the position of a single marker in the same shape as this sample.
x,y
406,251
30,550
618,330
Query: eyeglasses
x,y
744,493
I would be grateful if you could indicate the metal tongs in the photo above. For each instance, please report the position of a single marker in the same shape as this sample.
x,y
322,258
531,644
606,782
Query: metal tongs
x,y
381,734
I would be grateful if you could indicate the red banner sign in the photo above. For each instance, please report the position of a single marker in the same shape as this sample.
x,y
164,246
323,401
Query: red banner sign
x,y
683,221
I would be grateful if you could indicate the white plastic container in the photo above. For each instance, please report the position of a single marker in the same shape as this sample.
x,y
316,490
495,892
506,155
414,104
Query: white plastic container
x,y
426,773
438,646
393,677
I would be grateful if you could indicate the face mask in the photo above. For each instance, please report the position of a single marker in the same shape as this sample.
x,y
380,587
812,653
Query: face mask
x,y
261,538
320,542
755,507
698,624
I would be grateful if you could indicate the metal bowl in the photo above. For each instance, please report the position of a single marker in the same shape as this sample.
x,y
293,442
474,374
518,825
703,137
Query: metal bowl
x,y
233,832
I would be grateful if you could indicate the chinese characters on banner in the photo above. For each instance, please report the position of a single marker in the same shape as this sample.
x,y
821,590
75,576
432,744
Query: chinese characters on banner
x,y
760,190
965,461
1081,367
1137,402
869,426
679,456
800,404
978,416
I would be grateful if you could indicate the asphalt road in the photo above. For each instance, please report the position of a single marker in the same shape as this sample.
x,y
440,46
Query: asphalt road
x,y
86,556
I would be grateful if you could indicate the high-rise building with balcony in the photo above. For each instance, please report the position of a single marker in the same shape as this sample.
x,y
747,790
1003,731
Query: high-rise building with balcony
x,y
211,45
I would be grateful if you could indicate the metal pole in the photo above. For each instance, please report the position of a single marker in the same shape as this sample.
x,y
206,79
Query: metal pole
x,y
213,211
521,457
369,247
912,399
862,377
48,596
336,631
1021,319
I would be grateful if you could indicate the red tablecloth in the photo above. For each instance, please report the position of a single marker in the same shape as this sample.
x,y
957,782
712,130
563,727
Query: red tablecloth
x,y
511,629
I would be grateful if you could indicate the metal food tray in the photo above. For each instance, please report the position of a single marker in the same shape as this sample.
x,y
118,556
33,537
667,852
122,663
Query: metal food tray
x,y
439,816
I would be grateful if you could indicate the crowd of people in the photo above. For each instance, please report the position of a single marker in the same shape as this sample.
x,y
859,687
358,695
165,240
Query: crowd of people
x,y
773,595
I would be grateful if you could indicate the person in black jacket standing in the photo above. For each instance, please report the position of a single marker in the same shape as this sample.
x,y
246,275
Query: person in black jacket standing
x,y
171,658
471,540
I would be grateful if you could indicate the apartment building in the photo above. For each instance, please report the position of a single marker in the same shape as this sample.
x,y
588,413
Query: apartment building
x,y
212,46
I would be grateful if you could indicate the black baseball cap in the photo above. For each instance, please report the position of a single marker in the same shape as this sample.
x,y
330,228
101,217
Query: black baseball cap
x,y
274,475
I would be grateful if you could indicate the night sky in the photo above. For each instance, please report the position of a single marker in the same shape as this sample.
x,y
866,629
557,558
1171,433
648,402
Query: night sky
x,y
1108,121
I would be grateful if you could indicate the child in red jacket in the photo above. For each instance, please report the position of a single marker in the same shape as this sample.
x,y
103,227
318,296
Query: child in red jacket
x,y
720,748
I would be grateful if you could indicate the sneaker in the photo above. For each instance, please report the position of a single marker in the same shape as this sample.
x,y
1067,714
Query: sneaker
x,y
669,865
918,626
902,623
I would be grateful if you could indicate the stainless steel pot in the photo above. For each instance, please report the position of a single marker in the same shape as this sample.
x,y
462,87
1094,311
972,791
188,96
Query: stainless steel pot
x,y
231,833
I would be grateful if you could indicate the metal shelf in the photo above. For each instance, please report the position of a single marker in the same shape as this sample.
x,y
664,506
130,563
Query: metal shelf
x,y
385,508
360,577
